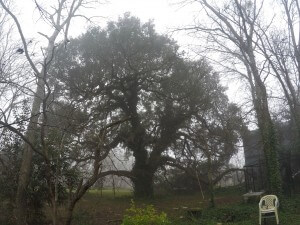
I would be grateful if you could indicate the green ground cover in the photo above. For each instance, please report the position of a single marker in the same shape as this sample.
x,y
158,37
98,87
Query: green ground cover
x,y
96,210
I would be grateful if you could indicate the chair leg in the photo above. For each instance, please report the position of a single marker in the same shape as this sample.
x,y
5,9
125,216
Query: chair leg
x,y
259,218
277,219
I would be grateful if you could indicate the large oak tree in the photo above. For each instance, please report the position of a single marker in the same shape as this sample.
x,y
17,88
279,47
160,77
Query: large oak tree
x,y
129,71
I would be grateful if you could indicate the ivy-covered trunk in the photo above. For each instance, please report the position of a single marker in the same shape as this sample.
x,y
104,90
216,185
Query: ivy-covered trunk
x,y
268,134
270,147
264,121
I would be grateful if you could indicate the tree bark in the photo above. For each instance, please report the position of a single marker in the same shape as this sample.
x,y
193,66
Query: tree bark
x,y
240,31
24,174
210,181
143,181
266,127
267,130
69,215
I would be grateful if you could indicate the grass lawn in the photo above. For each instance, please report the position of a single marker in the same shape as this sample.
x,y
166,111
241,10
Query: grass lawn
x,y
96,210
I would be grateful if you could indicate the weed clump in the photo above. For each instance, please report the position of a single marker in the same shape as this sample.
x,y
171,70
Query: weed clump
x,y
144,216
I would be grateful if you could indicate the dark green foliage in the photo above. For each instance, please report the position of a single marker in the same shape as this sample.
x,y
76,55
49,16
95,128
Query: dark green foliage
x,y
36,194
127,70
10,148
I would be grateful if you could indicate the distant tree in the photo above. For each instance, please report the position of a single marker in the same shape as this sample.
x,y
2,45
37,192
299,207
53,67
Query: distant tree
x,y
206,145
205,148
216,139
130,71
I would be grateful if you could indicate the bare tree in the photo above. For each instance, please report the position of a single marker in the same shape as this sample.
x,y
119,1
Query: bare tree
x,y
280,47
232,33
13,78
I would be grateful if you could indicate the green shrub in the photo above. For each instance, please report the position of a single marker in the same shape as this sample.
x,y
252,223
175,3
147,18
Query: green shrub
x,y
144,216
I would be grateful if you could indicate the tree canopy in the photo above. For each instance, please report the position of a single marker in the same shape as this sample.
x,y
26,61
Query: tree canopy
x,y
127,70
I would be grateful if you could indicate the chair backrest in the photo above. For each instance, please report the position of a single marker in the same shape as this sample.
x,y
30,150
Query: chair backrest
x,y
269,200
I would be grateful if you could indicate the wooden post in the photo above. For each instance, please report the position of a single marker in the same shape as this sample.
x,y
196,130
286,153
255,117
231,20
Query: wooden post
x,y
246,178
199,184
260,175
253,184
101,187
114,188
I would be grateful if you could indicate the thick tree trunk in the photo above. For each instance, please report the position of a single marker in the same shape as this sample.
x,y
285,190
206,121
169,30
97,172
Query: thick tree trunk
x,y
269,138
143,182
266,127
142,172
296,127
270,147
69,215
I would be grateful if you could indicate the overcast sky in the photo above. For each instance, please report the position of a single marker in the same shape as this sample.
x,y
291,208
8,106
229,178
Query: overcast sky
x,y
166,14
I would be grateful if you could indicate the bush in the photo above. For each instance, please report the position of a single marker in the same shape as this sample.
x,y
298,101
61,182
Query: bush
x,y
144,216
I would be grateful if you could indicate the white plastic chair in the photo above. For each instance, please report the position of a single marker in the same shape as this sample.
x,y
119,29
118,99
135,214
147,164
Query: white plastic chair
x,y
268,205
